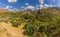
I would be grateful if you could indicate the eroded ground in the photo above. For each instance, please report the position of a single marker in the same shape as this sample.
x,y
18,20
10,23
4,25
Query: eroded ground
x,y
7,30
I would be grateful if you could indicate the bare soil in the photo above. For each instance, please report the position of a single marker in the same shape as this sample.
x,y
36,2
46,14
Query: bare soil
x,y
7,30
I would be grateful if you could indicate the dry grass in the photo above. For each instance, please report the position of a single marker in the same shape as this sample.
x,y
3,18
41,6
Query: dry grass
x,y
7,30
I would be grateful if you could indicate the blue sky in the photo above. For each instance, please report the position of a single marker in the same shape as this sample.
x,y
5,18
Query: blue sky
x,y
28,4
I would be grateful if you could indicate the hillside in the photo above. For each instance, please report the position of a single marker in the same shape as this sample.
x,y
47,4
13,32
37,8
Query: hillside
x,y
3,10
39,23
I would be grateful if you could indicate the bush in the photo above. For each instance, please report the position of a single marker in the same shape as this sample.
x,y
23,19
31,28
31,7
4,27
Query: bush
x,y
30,29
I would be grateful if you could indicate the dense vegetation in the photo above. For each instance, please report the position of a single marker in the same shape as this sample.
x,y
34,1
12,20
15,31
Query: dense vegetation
x,y
40,23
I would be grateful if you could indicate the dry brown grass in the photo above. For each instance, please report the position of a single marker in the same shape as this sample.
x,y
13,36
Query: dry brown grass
x,y
7,30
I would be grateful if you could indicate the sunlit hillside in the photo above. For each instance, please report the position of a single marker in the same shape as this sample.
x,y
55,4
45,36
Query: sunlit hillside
x,y
3,10
39,23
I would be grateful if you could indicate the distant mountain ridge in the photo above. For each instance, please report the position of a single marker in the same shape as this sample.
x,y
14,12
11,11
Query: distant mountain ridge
x,y
50,9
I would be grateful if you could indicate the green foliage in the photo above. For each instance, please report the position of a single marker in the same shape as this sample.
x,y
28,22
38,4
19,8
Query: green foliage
x,y
15,23
45,22
30,28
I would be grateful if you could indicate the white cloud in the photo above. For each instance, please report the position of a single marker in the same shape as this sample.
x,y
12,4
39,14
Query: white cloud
x,y
46,5
41,6
26,3
12,0
51,5
41,1
9,7
37,7
28,7
14,9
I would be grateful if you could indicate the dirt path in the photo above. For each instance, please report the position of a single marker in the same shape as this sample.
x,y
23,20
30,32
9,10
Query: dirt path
x,y
7,30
